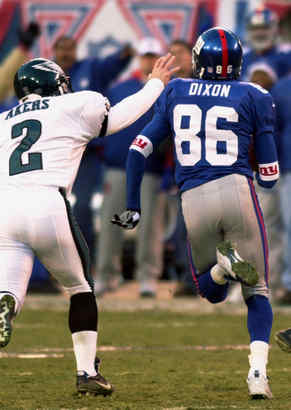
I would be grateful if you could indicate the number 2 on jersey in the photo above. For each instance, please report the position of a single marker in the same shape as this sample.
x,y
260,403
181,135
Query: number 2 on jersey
x,y
33,132
213,135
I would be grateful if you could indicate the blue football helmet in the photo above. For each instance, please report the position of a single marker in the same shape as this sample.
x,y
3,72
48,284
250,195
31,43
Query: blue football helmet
x,y
262,29
217,55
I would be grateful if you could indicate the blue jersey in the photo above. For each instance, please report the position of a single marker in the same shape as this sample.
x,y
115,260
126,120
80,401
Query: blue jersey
x,y
276,61
213,124
96,74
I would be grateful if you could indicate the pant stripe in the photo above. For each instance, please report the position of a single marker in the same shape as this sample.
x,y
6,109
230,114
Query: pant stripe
x,y
79,240
193,269
261,223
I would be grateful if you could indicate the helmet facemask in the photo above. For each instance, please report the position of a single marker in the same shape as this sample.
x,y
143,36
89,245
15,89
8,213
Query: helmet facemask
x,y
64,85
262,37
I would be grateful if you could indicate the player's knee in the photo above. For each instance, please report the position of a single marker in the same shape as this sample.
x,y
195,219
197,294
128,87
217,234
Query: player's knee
x,y
216,298
82,287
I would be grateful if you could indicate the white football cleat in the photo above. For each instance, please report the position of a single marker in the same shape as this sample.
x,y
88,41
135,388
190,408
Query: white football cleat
x,y
235,267
259,386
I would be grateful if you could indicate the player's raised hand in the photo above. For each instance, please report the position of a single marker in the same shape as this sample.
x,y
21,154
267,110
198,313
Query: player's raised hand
x,y
163,68
127,220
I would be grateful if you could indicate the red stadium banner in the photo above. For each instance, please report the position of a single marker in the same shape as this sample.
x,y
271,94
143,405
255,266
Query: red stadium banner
x,y
165,19
281,7
57,18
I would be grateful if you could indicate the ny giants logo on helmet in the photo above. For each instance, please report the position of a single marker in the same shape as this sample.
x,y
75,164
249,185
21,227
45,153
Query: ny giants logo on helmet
x,y
199,44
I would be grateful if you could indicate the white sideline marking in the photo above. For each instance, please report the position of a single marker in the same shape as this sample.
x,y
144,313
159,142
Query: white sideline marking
x,y
30,355
57,352
143,348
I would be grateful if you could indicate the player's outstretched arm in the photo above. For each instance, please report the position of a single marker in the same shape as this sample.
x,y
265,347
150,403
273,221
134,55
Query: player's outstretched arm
x,y
265,147
133,107
135,168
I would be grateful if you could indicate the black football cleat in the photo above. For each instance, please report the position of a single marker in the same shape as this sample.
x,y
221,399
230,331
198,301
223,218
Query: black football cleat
x,y
95,385
7,312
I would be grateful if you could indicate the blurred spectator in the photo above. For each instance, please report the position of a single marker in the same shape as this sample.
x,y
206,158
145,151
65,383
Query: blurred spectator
x,y
186,287
115,153
282,96
89,74
183,53
14,60
264,63
265,55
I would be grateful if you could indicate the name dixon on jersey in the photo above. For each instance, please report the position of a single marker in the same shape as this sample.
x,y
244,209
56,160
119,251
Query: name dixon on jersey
x,y
28,106
210,90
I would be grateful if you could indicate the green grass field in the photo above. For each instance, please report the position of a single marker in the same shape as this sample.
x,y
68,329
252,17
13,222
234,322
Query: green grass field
x,y
156,360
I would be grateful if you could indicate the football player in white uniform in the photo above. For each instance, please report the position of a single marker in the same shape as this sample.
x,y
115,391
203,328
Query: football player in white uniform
x,y
41,144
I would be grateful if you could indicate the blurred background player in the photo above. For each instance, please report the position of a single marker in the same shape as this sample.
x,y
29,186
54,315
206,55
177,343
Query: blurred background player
x,y
281,93
96,75
16,58
148,245
212,120
264,62
265,55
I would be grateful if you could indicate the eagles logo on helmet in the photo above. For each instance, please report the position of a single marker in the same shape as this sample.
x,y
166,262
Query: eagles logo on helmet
x,y
41,76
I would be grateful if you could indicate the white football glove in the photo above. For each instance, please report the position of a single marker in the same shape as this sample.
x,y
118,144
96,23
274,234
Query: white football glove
x,y
127,220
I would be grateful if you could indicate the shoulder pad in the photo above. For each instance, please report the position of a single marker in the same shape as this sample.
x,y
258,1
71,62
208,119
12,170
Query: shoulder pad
x,y
260,88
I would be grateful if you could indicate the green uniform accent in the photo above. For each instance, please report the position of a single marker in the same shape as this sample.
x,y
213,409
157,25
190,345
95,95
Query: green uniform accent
x,y
35,159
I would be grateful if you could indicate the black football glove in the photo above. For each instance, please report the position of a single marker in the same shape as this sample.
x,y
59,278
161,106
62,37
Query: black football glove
x,y
27,36
127,220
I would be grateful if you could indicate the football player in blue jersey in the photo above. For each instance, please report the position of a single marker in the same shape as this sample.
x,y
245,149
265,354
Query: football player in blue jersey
x,y
265,59
214,119
264,63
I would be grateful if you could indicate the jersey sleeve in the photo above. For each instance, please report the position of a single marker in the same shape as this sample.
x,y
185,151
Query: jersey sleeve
x,y
141,147
94,115
264,138
131,108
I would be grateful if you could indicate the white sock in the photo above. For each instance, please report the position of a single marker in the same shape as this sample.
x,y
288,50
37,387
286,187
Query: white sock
x,y
258,357
217,273
85,345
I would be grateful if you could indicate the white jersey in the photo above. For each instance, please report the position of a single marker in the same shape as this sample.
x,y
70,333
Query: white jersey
x,y
42,140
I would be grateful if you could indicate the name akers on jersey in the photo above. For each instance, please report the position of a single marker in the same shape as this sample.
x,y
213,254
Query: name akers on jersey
x,y
27,107
210,90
